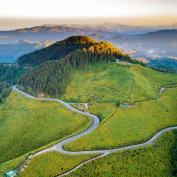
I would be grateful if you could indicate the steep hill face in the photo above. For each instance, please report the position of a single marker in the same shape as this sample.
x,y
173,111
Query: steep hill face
x,y
52,77
55,51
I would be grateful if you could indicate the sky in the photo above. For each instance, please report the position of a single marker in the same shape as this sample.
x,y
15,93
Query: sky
x,y
160,11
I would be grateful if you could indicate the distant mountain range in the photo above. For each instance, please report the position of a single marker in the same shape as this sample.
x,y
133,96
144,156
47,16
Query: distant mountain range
x,y
42,33
59,32
151,43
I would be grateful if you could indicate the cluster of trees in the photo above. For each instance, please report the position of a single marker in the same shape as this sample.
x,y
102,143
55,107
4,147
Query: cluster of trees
x,y
52,77
9,74
4,91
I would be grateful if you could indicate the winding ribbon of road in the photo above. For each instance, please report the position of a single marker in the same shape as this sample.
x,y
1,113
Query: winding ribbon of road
x,y
95,123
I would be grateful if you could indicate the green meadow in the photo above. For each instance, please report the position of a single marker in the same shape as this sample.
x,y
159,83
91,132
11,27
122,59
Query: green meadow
x,y
27,124
130,126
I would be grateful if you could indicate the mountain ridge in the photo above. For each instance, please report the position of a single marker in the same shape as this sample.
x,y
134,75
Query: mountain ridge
x,y
51,74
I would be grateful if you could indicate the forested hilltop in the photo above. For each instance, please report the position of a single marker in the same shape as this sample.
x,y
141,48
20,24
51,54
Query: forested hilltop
x,y
51,77
68,46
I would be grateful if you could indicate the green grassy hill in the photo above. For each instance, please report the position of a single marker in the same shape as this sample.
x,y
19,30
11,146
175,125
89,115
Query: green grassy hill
x,y
26,125
52,77
114,82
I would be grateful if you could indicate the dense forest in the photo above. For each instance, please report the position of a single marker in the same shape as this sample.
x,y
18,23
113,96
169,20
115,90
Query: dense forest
x,y
56,51
4,90
63,48
52,77
9,74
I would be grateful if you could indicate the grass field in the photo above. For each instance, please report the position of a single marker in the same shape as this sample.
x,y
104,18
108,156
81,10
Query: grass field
x,y
52,164
27,124
152,161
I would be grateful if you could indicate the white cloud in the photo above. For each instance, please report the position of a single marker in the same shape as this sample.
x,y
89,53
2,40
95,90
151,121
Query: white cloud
x,y
86,8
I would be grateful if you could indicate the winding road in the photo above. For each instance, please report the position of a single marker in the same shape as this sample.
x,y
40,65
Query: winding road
x,y
95,123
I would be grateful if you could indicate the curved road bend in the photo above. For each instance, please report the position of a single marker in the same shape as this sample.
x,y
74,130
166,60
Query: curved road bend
x,y
59,147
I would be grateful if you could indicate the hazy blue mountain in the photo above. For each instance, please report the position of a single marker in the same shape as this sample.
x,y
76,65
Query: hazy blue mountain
x,y
10,52
158,43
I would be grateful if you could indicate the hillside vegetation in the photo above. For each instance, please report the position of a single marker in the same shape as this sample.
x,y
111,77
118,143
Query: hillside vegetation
x,y
138,162
27,124
156,160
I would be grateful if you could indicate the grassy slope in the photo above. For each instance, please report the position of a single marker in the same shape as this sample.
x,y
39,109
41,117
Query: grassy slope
x,y
128,126
27,124
152,161
52,164
113,82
